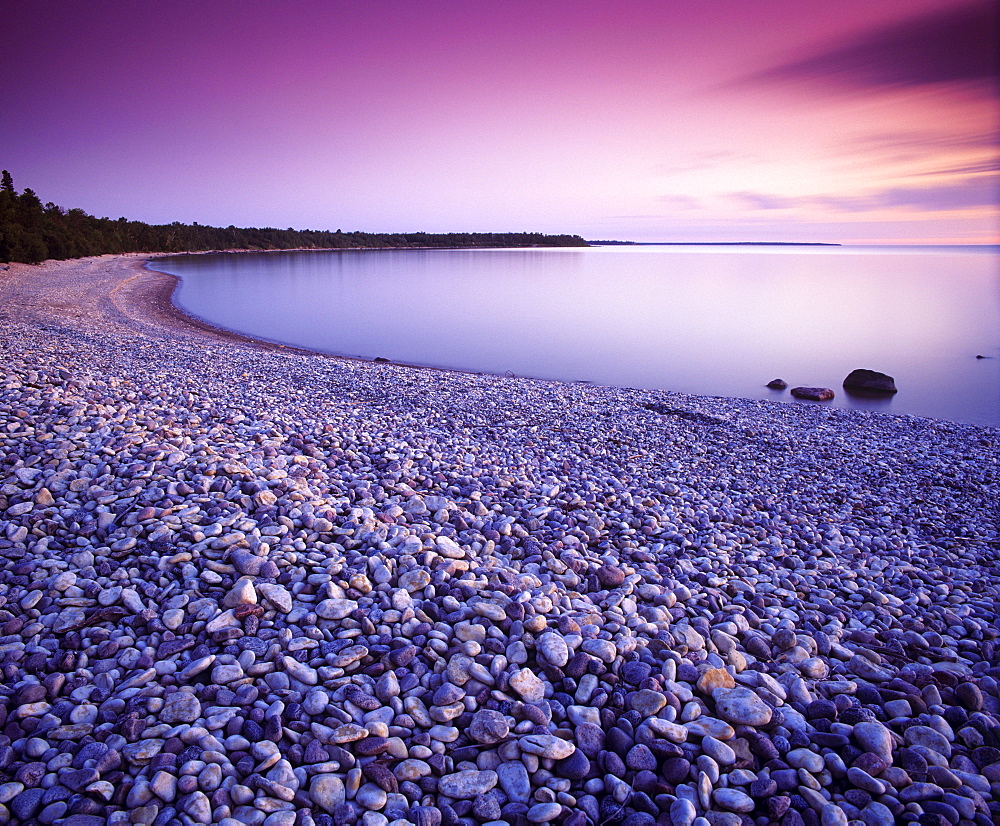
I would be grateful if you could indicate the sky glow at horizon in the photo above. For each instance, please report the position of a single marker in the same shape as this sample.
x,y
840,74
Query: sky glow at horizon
x,y
722,120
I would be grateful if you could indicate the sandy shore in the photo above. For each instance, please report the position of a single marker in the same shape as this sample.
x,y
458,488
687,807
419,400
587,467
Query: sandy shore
x,y
116,292
250,584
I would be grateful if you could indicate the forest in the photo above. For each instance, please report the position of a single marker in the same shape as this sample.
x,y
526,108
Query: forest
x,y
31,232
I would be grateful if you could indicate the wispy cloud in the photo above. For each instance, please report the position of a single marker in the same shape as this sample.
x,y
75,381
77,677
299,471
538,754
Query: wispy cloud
x,y
956,45
972,168
763,200
925,152
968,194
680,202
971,193
699,161
926,140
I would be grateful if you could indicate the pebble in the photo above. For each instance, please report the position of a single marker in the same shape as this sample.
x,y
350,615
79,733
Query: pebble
x,y
682,812
553,649
327,791
928,738
718,751
336,609
180,707
805,759
875,738
247,584
488,726
543,812
546,745
514,780
467,784
276,595
741,706
527,685
713,678
832,815
864,781
733,800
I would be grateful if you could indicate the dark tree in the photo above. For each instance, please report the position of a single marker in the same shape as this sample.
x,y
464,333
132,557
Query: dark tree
x,y
31,232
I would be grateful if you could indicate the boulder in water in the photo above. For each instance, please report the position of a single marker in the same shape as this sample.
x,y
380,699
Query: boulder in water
x,y
870,381
815,394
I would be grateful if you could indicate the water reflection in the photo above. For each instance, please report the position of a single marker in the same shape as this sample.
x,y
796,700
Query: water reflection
x,y
710,320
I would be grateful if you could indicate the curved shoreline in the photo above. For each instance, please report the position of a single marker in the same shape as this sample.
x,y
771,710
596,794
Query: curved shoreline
x,y
251,584
303,323
172,284
162,295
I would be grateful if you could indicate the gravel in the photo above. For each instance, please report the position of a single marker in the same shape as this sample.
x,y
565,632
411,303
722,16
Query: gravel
x,y
247,584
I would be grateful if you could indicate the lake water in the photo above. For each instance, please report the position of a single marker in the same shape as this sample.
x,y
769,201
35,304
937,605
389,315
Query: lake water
x,y
710,320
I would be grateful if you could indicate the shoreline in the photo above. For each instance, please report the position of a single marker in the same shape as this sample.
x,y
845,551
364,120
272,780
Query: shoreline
x,y
181,317
247,583
966,398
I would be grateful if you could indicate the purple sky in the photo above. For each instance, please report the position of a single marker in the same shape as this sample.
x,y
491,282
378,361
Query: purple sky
x,y
685,120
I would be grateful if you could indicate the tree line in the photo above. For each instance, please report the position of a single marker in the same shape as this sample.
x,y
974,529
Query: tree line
x,y
31,232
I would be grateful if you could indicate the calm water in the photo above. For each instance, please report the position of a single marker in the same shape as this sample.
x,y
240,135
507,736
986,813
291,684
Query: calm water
x,y
709,320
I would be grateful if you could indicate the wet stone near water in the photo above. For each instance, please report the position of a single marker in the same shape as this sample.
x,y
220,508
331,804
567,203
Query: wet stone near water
x,y
245,584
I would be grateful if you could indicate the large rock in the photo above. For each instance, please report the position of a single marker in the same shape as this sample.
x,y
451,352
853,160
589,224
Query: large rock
x,y
869,381
815,394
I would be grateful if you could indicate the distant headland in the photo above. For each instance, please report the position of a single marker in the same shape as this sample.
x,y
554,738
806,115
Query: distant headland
x,y
711,244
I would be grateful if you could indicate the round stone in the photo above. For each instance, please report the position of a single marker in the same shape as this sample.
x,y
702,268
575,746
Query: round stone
x,y
928,738
969,695
488,727
546,745
528,685
590,738
180,707
713,678
864,781
553,648
465,785
513,779
640,758
718,751
874,737
414,581
610,576
733,800
741,706
544,812
327,791
682,812
805,759
574,767
372,797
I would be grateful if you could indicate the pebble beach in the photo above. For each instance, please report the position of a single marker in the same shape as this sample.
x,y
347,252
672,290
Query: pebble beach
x,y
246,584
